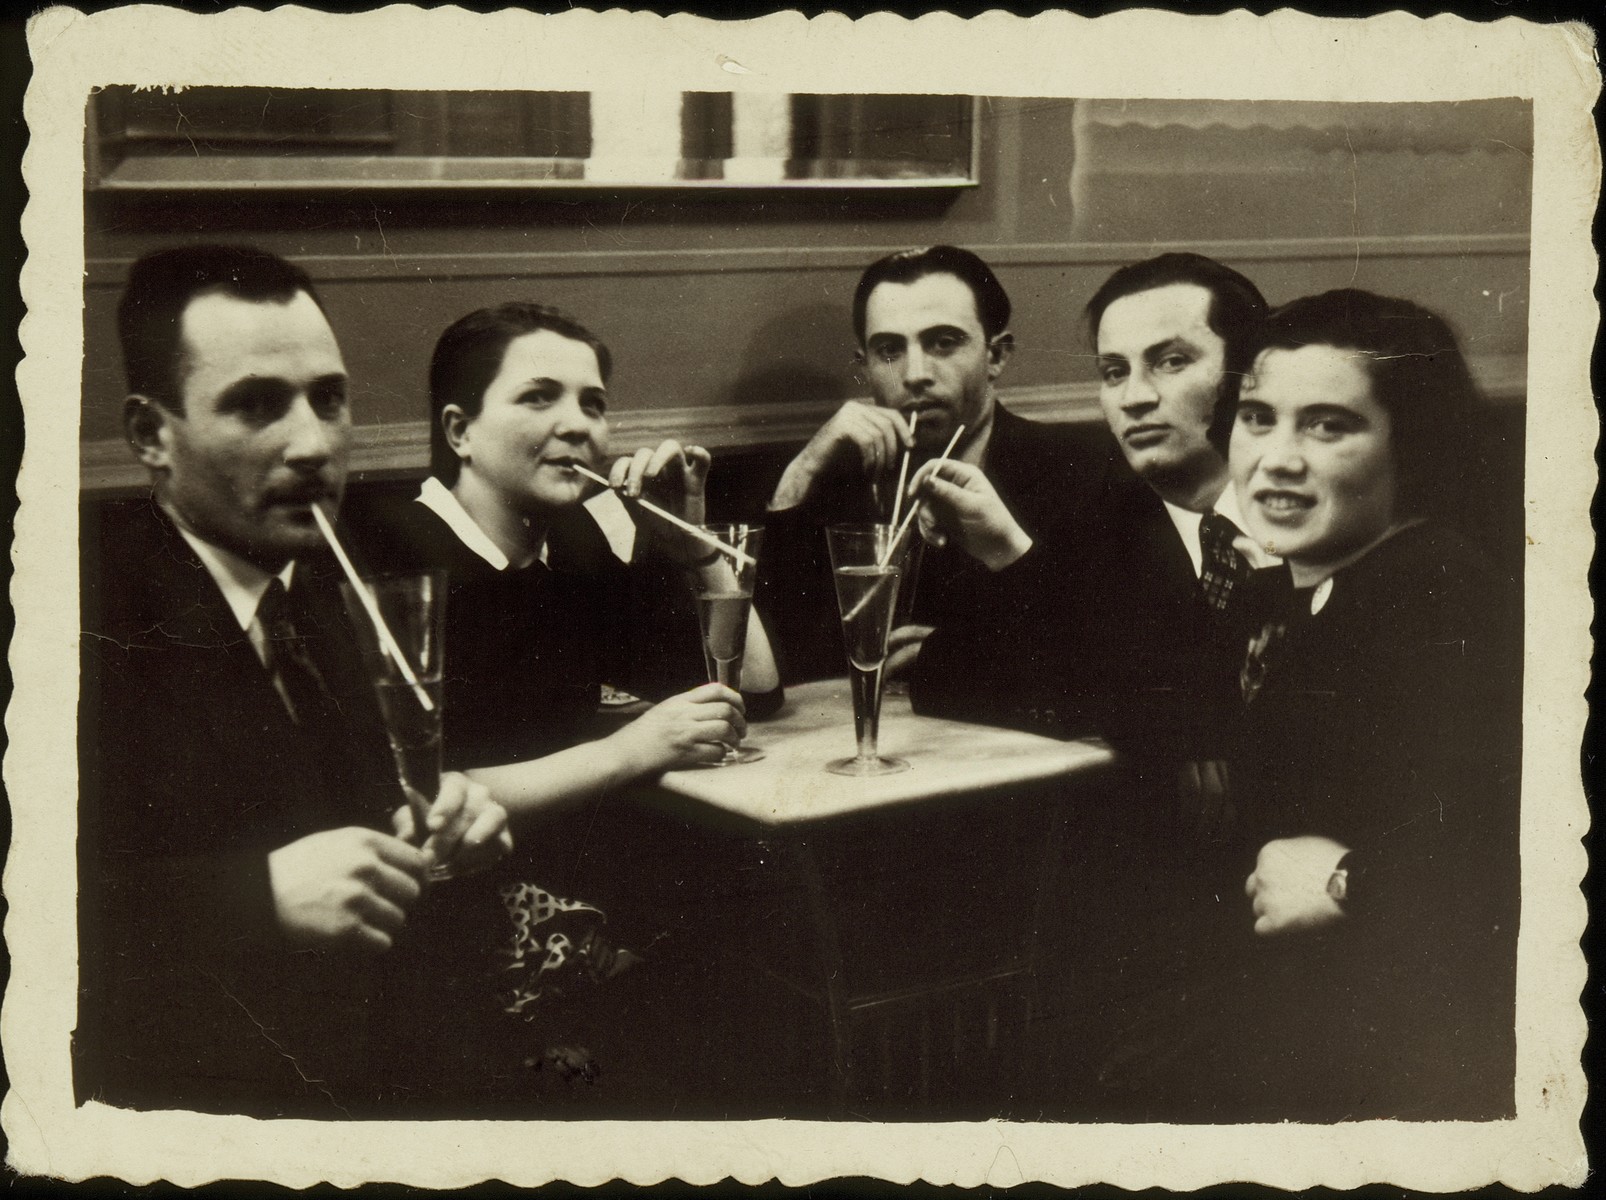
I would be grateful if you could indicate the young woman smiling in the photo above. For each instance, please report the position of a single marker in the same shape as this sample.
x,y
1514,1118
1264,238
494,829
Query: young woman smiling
x,y
547,602
1379,766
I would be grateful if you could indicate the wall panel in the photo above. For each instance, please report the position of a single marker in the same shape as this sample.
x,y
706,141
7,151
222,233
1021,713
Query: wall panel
x,y
728,311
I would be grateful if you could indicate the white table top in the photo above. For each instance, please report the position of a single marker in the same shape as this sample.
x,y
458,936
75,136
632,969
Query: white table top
x,y
946,758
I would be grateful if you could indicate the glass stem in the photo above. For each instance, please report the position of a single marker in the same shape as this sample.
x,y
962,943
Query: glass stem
x,y
729,673
867,711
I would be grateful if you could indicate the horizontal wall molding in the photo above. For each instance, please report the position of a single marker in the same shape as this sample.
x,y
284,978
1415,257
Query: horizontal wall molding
x,y
403,448
423,268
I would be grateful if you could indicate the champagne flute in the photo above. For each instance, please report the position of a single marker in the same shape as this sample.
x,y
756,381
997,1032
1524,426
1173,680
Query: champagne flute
x,y
866,566
903,612
724,600
413,608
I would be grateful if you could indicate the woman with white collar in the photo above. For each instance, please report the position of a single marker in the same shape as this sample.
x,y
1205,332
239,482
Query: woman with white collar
x,y
550,597
545,605
1380,759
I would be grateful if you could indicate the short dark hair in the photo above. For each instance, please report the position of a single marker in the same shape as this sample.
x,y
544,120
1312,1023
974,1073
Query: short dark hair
x,y
906,266
1418,375
469,354
1236,309
163,284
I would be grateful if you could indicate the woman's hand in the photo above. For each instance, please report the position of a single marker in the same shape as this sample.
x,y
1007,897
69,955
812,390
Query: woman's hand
x,y
467,829
684,731
673,477
1289,884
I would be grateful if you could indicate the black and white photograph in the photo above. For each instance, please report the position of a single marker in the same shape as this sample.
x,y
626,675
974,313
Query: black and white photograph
x,y
741,611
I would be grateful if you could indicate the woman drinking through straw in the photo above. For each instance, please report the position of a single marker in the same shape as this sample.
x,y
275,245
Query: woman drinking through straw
x,y
548,602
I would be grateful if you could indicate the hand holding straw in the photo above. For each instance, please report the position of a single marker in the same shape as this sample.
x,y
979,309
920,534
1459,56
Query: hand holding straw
x,y
371,607
897,538
701,535
903,468
914,509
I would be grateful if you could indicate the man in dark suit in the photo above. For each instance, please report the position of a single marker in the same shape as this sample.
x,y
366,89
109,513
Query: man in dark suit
x,y
932,326
1121,624
1118,623
246,864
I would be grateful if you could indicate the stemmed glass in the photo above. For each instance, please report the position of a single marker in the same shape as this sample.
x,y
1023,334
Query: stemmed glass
x,y
724,599
867,566
903,612
413,608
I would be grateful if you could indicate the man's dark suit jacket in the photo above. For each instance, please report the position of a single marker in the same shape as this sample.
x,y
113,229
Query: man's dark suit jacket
x,y
1043,472
1101,628
191,772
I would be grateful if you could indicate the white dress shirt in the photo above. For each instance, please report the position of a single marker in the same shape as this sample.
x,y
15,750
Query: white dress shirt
x,y
242,583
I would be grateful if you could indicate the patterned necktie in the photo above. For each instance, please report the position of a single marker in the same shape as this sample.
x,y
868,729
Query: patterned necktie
x,y
1222,567
296,676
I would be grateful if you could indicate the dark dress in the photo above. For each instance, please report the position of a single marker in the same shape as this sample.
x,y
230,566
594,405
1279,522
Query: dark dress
x,y
191,772
1389,721
527,651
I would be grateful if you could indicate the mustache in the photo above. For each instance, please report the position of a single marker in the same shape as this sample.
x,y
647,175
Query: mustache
x,y
311,491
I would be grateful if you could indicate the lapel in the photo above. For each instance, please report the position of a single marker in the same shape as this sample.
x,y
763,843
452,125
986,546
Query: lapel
x,y
1162,544
1003,448
232,737
1142,562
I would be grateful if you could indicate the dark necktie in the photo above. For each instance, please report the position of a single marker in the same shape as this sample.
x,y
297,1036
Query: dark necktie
x,y
1222,567
300,682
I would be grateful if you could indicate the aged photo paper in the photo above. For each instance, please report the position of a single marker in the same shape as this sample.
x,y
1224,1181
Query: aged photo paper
x,y
1141,58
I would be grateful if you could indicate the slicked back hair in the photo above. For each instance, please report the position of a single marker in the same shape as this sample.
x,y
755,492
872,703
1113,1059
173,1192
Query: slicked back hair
x,y
906,266
469,355
163,284
1418,375
1236,309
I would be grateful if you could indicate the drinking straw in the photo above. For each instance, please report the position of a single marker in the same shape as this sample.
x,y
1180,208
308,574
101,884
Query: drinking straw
x,y
738,556
914,508
897,538
371,607
903,468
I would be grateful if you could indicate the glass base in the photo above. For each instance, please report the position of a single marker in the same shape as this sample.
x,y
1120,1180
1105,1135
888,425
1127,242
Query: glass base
x,y
735,758
864,767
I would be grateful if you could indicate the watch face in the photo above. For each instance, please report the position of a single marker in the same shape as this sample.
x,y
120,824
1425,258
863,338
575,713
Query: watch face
x,y
1338,885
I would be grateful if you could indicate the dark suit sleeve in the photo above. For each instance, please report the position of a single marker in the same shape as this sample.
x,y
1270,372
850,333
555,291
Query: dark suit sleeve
x,y
796,593
1074,641
1005,664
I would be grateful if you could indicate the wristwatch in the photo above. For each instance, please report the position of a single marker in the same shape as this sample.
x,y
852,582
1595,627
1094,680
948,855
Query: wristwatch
x,y
1344,877
1338,885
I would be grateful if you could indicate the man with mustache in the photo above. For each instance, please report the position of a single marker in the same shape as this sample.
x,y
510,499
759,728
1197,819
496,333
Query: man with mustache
x,y
247,865
932,325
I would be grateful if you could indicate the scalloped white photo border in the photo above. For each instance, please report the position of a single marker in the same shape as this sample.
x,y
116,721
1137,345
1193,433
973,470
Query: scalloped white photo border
x,y
1286,55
